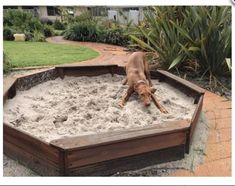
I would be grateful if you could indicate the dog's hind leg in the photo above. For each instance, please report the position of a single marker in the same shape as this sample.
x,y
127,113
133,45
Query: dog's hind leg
x,y
147,73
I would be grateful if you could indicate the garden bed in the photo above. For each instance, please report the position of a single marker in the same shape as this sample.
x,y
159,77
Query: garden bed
x,y
98,145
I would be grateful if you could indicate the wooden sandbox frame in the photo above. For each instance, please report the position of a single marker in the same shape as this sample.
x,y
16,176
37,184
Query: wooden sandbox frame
x,y
106,153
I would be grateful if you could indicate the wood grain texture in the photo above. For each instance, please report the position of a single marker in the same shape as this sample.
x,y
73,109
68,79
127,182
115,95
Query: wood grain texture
x,y
87,141
28,159
34,147
194,121
182,81
92,155
134,162
9,88
86,70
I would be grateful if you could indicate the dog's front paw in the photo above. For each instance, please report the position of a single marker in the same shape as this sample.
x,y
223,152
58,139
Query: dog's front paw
x,y
153,90
164,111
121,104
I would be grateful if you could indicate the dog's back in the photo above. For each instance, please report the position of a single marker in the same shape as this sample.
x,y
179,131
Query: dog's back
x,y
135,68
136,62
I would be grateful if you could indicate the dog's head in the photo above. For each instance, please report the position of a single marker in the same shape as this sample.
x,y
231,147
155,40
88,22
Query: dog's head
x,y
144,92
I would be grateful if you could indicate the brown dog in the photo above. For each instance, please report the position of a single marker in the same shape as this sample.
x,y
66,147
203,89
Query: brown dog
x,y
138,79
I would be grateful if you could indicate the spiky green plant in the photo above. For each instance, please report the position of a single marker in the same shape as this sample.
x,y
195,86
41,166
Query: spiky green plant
x,y
208,31
157,33
177,33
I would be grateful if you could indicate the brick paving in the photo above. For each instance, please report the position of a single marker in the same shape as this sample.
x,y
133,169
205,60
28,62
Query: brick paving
x,y
218,161
218,110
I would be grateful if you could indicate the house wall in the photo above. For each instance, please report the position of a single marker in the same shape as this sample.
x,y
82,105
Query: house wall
x,y
78,10
126,15
42,11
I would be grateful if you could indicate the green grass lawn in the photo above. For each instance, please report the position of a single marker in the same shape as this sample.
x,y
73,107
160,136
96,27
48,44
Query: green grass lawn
x,y
25,54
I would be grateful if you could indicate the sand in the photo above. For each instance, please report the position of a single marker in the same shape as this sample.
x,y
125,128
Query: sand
x,y
81,105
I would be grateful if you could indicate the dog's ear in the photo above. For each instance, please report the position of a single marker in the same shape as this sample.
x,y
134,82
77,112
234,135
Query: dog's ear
x,y
152,90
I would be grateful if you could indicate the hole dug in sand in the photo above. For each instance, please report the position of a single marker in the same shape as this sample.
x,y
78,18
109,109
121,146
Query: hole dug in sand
x,y
86,105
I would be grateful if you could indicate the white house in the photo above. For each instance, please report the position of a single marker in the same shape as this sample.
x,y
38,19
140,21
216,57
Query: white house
x,y
121,14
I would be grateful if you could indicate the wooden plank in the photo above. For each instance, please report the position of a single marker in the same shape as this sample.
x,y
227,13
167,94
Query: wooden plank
x,y
85,70
119,70
27,81
9,89
122,149
86,141
60,72
182,81
196,115
31,145
134,162
85,65
35,163
194,121
7,83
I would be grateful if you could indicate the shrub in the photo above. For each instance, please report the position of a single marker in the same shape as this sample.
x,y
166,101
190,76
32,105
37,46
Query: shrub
x,y
85,16
45,20
58,25
28,36
38,36
33,25
8,34
113,36
59,32
21,21
6,63
93,31
82,31
48,31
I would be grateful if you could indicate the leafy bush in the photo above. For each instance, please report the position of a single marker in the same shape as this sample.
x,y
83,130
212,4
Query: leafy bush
x,y
114,36
94,31
38,36
8,34
28,36
21,21
58,25
45,20
6,63
82,31
85,16
48,30
33,25
59,32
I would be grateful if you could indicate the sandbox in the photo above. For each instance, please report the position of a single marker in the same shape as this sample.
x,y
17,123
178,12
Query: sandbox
x,y
84,105
67,123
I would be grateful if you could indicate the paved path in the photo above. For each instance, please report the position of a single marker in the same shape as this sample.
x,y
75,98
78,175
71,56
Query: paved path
x,y
218,149
108,53
217,109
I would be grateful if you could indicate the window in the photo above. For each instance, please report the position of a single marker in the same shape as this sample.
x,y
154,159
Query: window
x,y
52,11
29,7
10,7
99,11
